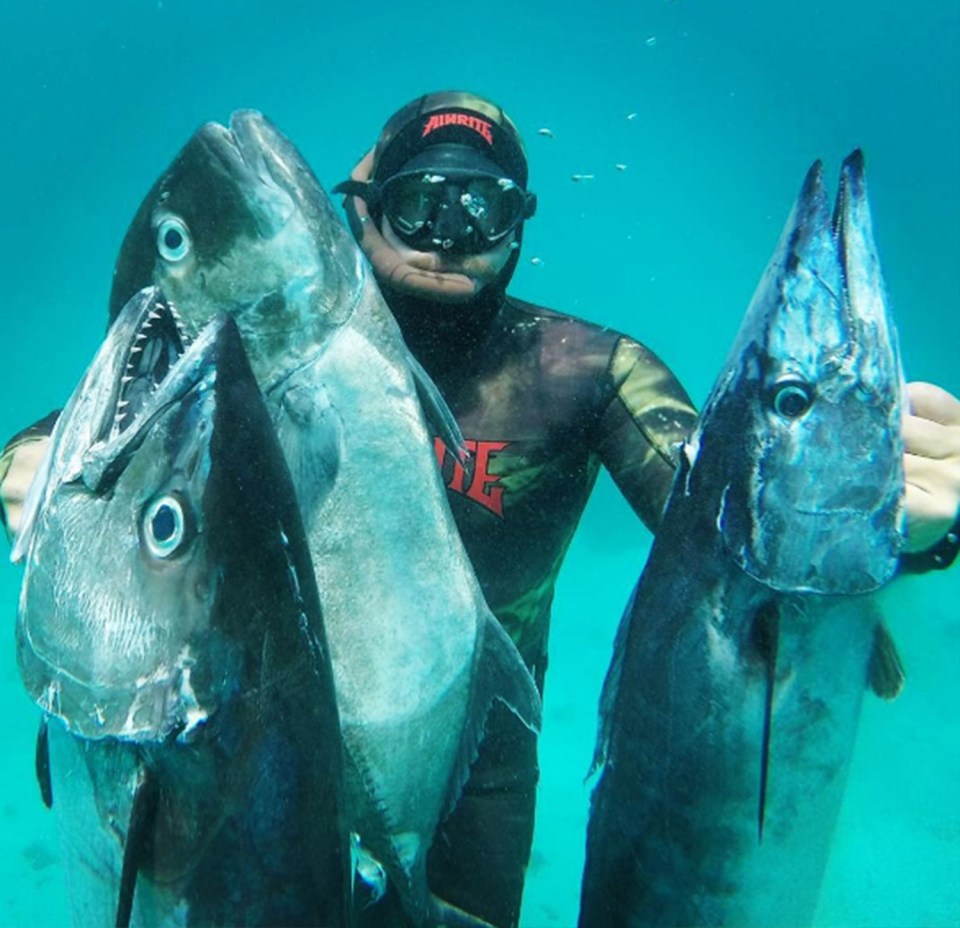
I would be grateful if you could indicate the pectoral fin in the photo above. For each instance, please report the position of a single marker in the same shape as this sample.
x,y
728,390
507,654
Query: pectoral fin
x,y
766,635
310,432
42,763
885,673
449,916
143,816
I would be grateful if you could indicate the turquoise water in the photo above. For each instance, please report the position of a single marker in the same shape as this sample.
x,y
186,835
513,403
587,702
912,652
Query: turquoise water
x,y
732,102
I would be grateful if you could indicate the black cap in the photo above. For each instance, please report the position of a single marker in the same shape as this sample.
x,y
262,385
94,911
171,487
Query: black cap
x,y
451,129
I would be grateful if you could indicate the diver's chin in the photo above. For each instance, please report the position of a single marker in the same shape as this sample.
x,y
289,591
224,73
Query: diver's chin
x,y
446,279
433,275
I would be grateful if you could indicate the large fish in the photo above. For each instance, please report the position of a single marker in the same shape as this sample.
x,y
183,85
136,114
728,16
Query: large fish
x,y
238,223
169,625
730,710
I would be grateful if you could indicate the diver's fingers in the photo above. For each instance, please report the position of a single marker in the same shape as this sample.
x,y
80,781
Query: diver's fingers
x,y
24,462
929,438
927,522
928,401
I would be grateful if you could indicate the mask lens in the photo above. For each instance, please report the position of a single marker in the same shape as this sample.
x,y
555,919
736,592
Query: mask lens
x,y
411,201
463,212
494,205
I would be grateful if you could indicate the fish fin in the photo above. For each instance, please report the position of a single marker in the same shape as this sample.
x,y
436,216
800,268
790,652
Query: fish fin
x,y
42,763
500,676
885,673
143,816
310,431
450,916
504,677
611,687
436,410
766,634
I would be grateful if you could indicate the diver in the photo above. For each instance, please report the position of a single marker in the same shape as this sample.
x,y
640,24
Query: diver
x,y
543,400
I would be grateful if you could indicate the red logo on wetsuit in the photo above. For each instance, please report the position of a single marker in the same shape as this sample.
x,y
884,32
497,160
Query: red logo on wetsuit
x,y
440,120
472,479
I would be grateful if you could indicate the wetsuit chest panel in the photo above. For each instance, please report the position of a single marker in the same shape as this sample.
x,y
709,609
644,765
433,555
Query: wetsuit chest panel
x,y
528,405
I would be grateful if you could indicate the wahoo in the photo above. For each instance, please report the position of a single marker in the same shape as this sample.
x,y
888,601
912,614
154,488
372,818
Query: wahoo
x,y
238,223
730,709
169,627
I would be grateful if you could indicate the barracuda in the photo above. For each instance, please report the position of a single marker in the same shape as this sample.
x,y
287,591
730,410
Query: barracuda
x,y
170,629
730,710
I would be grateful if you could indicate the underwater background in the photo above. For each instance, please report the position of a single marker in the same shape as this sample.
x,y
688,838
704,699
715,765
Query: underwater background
x,y
713,110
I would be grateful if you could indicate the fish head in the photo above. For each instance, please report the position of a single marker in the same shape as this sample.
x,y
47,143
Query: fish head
x,y
238,223
804,424
141,525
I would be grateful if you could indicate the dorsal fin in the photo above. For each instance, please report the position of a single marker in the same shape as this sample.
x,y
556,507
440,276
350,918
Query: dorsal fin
x,y
766,634
143,816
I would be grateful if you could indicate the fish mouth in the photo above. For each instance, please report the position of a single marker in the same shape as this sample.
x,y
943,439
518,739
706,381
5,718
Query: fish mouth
x,y
160,341
131,695
240,152
142,347
156,341
819,505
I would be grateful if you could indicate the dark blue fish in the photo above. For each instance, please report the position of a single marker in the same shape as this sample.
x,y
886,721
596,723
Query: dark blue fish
x,y
170,629
730,710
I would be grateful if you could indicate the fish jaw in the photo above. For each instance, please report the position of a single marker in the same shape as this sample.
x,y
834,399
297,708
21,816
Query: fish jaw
x,y
111,619
816,356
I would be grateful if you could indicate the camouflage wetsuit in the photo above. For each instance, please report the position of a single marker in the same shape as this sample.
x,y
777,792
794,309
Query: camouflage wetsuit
x,y
543,399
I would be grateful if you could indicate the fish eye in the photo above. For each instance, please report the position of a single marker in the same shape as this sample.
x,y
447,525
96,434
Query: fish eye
x,y
173,239
165,526
791,398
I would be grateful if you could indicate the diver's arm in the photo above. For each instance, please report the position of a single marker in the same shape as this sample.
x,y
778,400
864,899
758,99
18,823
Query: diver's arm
x,y
18,463
647,415
931,438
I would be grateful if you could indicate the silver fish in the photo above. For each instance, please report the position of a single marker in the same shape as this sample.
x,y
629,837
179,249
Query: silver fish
x,y
730,710
170,628
238,223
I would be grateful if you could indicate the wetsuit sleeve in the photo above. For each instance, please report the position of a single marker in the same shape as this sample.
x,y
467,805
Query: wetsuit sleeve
x,y
647,415
939,557
38,430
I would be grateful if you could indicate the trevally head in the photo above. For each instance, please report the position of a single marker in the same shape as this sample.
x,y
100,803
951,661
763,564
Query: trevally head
x,y
803,427
238,223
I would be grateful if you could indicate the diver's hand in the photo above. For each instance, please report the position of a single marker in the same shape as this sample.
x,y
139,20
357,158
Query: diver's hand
x,y
24,460
931,438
